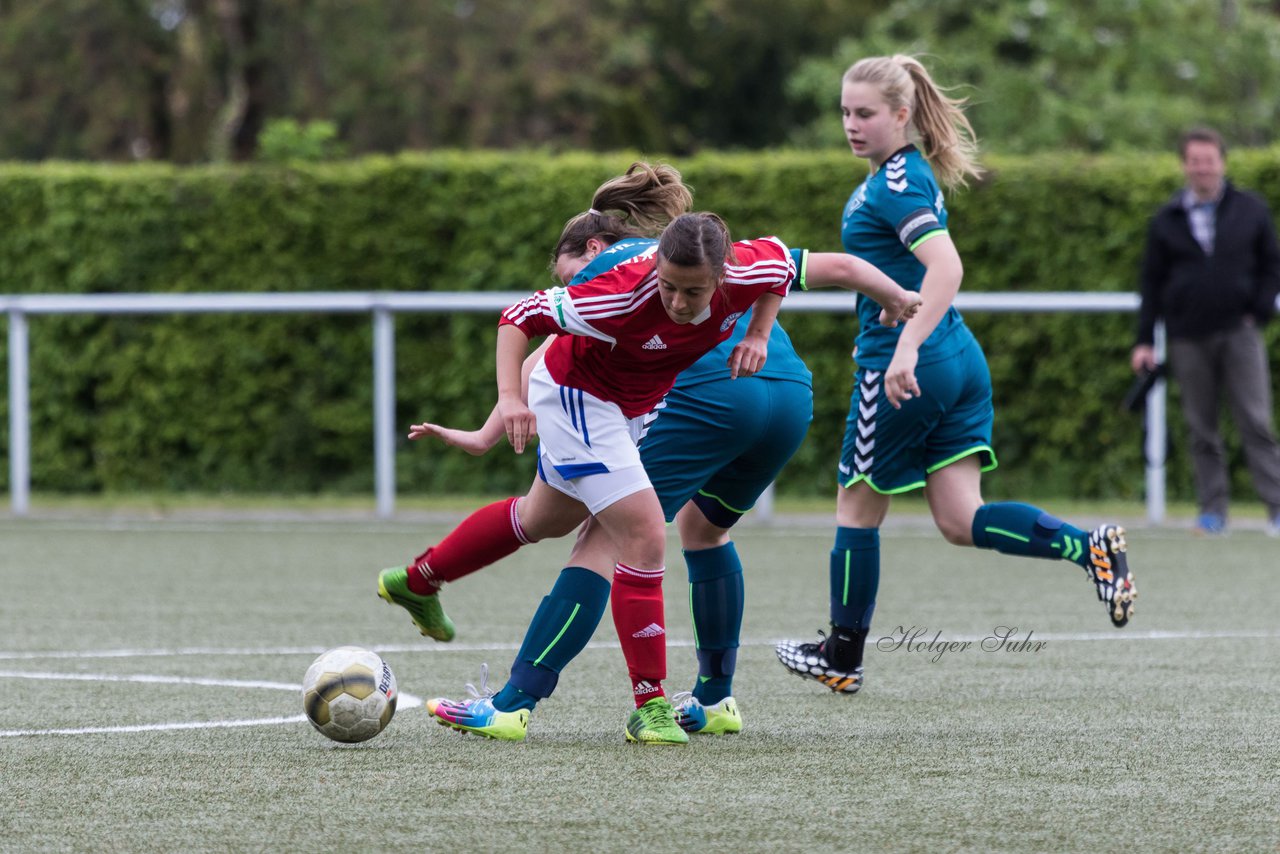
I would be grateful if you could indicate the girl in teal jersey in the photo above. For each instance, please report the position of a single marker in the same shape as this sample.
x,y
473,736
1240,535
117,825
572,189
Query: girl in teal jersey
x,y
921,414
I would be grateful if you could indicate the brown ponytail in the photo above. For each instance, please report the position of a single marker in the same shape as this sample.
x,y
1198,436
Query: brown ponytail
x,y
638,203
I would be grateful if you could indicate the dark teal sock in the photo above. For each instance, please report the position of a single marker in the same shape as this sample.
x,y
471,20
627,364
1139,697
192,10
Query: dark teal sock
x,y
1012,528
855,576
511,698
561,628
716,599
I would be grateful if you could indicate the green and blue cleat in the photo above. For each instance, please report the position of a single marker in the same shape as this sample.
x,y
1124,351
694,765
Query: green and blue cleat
x,y
721,718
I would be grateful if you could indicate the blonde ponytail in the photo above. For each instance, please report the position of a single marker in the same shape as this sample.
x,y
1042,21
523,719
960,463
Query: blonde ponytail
x,y
946,138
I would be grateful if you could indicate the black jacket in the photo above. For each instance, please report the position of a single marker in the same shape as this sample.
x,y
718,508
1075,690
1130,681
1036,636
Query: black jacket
x,y
1198,294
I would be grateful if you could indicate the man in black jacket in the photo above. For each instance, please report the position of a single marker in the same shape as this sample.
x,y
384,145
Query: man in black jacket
x,y
1212,273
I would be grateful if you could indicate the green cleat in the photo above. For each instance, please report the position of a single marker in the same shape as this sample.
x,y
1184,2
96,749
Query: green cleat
x,y
427,612
720,719
655,723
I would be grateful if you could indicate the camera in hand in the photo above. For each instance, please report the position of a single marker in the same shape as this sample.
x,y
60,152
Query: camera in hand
x,y
1135,399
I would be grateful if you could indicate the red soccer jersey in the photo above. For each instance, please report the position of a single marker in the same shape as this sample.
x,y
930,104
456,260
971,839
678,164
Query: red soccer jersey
x,y
621,345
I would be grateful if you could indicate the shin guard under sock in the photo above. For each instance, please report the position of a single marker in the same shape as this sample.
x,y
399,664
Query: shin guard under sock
x,y
855,576
561,628
1012,528
716,599
639,617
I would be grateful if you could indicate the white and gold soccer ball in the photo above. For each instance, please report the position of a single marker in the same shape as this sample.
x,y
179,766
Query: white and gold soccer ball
x,y
349,694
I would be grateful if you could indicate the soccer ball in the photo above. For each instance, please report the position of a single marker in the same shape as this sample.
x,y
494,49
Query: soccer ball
x,y
349,694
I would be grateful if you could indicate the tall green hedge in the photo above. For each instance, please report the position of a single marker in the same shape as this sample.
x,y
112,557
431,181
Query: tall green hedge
x,y
283,402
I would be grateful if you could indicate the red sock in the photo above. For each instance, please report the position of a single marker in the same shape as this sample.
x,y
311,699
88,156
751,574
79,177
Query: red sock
x,y
486,536
640,621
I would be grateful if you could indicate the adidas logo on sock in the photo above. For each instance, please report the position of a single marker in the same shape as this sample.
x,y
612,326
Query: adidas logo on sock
x,y
643,688
650,631
654,343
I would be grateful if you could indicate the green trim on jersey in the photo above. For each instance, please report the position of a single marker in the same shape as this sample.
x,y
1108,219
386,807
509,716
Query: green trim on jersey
x,y
914,246
802,270
920,484
968,453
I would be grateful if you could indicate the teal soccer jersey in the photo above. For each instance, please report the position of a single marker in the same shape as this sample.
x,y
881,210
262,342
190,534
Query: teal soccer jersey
x,y
894,450
891,213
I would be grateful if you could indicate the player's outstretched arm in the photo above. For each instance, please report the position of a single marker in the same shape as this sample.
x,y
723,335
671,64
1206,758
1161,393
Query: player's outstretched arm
x,y
478,442
474,442
841,270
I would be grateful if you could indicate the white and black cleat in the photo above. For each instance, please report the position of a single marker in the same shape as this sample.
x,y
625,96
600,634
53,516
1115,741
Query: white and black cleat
x,y
1108,569
809,661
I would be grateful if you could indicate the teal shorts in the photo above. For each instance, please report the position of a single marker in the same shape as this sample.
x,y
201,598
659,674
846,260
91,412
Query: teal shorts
x,y
895,450
721,443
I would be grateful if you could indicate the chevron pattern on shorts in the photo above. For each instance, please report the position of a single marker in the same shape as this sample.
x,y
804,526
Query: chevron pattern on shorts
x,y
865,442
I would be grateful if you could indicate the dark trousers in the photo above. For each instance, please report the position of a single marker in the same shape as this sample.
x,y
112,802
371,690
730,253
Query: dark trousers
x,y
1233,362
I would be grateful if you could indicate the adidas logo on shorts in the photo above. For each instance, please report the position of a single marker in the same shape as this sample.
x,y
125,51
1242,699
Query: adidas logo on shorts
x,y
654,343
650,631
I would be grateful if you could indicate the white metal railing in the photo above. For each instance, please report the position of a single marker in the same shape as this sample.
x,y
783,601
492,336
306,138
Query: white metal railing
x,y
384,305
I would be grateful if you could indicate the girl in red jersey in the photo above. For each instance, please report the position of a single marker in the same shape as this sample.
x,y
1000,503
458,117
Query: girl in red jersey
x,y
624,336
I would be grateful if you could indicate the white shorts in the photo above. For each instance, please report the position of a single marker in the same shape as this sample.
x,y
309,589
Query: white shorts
x,y
586,446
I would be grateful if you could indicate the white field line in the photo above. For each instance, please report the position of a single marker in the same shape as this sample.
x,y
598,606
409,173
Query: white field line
x,y
405,701
409,700
1119,635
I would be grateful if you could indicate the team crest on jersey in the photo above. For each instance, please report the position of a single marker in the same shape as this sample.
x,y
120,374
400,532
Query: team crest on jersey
x,y
730,320
557,304
856,201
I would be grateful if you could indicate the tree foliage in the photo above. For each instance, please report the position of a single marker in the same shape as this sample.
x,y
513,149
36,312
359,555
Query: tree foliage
x,y
198,80
195,81
1079,74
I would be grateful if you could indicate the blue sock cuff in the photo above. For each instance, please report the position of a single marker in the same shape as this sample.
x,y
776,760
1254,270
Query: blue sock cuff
x,y
856,539
536,681
710,564
580,584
